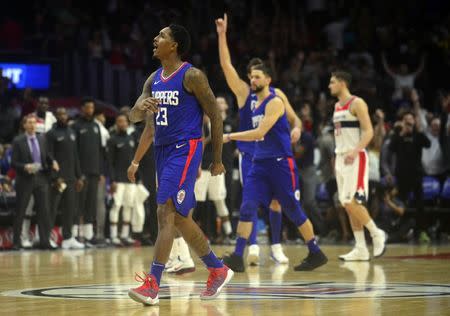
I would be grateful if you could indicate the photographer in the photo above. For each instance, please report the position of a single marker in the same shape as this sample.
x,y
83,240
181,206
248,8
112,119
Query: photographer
x,y
407,144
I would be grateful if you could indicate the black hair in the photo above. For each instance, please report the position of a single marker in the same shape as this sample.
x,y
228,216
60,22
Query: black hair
x,y
181,36
343,76
265,69
87,100
253,62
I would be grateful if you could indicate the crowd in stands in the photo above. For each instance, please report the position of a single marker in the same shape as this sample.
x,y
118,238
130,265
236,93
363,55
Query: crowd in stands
x,y
398,54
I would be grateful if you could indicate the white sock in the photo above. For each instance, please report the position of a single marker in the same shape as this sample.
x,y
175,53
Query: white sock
x,y
372,228
113,231
88,231
360,239
75,231
184,250
125,230
227,228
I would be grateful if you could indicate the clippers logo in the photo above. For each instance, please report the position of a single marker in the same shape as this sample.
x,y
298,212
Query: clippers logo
x,y
180,196
297,195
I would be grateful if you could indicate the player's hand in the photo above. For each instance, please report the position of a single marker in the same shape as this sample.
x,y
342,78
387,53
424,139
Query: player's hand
x,y
131,172
113,187
350,157
55,166
296,133
149,104
226,138
221,24
79,184
216,168
29,168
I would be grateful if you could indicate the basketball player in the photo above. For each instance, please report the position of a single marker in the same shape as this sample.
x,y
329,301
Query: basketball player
x,y
178,94
353,132
246,101
180,259
273,174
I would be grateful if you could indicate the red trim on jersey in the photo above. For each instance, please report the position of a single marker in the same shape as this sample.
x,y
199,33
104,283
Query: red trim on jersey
x,y
192,148
291,169
173,73
361,170
345,106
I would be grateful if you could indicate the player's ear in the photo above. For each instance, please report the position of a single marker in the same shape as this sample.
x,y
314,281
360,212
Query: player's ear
x,y
174,46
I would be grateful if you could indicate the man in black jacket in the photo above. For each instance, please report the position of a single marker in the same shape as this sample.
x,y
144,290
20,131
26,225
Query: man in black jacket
x,y
407,144
121,147
32,162
61,140
91,155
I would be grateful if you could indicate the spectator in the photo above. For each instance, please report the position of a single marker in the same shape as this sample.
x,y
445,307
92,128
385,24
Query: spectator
x,y
433,157
33,162
407,144
304,157
393,219
403,78
121,148
101,194
374,150
89,146
62,145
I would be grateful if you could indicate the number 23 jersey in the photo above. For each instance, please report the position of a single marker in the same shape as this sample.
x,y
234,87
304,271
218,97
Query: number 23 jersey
x,y
179,114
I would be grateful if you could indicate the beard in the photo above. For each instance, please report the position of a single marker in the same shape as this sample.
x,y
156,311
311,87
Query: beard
x,y
258,89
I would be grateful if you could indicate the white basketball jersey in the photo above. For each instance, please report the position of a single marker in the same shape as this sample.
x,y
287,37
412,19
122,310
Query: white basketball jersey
x,y
347,132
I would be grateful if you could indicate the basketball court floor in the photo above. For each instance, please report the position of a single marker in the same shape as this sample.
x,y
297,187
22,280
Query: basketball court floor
x,y
408,280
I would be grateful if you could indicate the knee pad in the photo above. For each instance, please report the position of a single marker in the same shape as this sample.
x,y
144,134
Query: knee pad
x,y
296,215
248,211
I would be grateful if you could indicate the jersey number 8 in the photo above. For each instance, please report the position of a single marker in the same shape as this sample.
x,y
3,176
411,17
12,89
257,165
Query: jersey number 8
x,y
161,117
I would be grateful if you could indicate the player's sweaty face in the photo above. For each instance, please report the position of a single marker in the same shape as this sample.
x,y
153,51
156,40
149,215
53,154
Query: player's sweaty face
x,y
258,80
163,43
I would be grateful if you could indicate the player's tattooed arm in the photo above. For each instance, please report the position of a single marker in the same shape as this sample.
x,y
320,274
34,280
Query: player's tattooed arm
x,y
294,120
274,110
145,103
195,82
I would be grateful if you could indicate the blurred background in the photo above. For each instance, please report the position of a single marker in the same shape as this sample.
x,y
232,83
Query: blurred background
x,y
397,52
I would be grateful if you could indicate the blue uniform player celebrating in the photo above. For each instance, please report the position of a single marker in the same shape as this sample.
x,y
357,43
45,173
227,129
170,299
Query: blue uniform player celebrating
x,y
173,101
273,173
246,101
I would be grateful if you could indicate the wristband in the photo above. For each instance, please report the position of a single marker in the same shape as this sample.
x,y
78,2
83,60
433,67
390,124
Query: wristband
x,y
228,137
135,164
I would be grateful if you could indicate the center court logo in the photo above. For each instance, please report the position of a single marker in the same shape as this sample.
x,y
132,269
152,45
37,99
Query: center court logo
x,y
245,291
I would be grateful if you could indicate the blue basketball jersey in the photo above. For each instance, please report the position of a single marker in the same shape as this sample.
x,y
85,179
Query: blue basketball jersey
x,y
277,142
179,115
245,121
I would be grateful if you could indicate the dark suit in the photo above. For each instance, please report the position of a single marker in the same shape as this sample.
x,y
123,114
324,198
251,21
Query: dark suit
x,y
31,184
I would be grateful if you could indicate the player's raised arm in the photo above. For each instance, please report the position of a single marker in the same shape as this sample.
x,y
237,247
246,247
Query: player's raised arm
x,y
294,120
145,141
196,82
274,109
239,87
144,103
